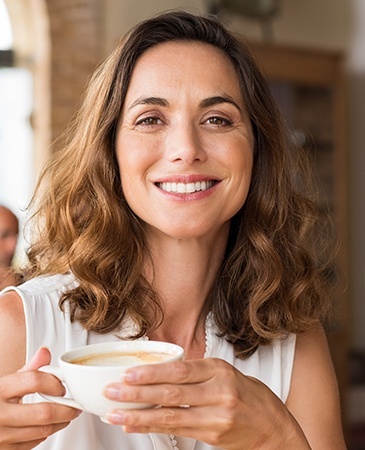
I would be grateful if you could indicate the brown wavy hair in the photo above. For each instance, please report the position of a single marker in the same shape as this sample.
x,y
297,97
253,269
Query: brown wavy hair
x,y
274,276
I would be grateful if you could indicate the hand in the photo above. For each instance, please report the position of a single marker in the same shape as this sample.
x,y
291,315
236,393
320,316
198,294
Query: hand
x,y
23,427
226,409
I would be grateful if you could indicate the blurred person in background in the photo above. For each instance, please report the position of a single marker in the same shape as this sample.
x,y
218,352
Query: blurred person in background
x,y
9,230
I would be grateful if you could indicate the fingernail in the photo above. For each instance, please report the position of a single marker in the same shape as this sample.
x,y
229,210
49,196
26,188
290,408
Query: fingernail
x,y
116,417
45,347
112,392
130,376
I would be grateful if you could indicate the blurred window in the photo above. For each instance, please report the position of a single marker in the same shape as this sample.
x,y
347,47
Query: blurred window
x,y
16,134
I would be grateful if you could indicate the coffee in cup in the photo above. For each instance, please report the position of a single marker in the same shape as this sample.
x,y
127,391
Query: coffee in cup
x,y
121,358
87,370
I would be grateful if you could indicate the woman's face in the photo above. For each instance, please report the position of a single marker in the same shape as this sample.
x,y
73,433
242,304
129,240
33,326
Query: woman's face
x,y
184,143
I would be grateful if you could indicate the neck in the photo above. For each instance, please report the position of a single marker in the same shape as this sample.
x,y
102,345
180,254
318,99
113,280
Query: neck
x,y
183,275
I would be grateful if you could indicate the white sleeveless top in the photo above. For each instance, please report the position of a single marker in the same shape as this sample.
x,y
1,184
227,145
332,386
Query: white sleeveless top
x,y
47,326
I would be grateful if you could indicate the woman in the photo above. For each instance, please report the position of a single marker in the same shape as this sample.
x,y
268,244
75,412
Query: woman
x,y
173,214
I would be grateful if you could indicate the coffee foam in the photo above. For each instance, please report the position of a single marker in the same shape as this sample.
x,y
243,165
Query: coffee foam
x,y
121,358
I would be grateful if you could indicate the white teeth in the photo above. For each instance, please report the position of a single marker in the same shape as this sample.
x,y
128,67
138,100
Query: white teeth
x,y
186,188
190,187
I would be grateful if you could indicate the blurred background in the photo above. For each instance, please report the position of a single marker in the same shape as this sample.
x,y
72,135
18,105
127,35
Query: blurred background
x,y
313,54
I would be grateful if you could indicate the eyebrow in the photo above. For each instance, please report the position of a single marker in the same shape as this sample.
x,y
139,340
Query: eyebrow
x,y
218,99
206,103
157,101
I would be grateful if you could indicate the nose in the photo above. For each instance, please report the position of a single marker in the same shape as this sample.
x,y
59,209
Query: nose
x,y
184,144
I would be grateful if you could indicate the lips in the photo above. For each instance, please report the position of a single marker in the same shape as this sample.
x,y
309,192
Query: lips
x,y
186,188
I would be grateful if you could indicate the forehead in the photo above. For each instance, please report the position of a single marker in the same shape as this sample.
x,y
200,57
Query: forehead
x,y
177,64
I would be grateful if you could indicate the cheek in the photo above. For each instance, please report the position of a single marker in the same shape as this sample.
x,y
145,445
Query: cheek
x,y
241,161
124,169
244,165
132,167
133,154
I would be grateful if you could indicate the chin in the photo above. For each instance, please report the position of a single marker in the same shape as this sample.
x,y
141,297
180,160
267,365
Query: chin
x,y
189,232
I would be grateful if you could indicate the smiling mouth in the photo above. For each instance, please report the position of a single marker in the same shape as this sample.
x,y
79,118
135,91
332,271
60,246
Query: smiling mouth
x,y
186,188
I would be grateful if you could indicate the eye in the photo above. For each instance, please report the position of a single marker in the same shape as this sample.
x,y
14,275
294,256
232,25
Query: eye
x,y
218,121
149,121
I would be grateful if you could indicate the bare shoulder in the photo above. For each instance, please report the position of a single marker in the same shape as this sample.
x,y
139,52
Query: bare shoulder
x,y
12,333
314,397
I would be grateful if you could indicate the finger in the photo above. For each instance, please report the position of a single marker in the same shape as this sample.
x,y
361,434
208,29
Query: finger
x,y
178,372
28,382
42,357
190,422
29,435
37,414
23,446
164,394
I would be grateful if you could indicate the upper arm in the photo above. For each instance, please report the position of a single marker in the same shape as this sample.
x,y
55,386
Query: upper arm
x,y
314,398
12,333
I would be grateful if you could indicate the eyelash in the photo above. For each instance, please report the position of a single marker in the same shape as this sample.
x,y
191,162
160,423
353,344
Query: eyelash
x,y
146,121
154,121
224,121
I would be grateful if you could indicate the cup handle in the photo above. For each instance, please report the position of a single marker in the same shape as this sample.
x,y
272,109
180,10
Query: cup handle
x,y
67,401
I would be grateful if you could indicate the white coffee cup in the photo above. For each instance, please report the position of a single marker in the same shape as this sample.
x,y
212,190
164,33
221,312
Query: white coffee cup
x,y
87,370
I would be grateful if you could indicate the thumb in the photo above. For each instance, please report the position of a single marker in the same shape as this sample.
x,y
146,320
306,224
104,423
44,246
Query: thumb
x,y
42,357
